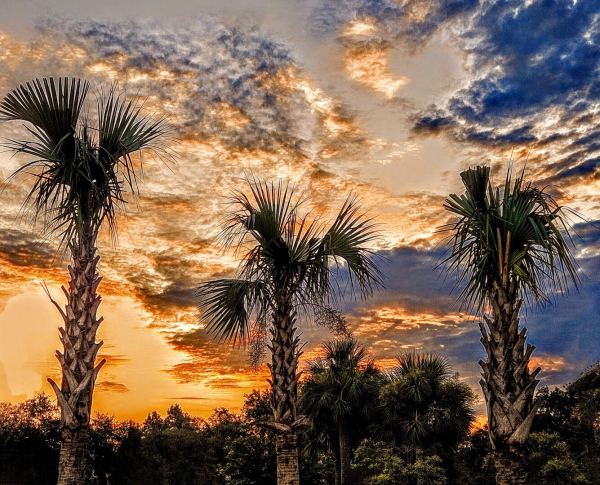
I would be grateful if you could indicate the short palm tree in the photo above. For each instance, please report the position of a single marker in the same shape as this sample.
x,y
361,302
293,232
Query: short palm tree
x,y
507,247
422,403
340,393
80,174
289,264
585,391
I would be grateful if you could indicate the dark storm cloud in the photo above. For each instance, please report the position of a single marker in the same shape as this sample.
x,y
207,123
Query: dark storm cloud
x,y
423,315
530,63
19,247
417,310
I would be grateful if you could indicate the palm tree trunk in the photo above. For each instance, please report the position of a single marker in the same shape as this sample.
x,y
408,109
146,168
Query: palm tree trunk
x,y
77,360
507,385
511,468
345,453
72,463
284,382
338,472
286,448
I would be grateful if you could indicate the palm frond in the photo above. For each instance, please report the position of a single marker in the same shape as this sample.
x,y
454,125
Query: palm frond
x,y
52,109
343,383
225,306
347,240
264,217
124,130
515,238
80,173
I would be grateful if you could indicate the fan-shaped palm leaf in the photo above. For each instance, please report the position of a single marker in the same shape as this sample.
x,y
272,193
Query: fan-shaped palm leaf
x,y
516,236
79,177
291,254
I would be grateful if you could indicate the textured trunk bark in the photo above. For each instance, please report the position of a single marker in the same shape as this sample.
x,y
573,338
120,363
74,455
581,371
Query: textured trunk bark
x,y
593,452
511,468
507,384
284,382
79,371
338,472
286,447
345,454
72,463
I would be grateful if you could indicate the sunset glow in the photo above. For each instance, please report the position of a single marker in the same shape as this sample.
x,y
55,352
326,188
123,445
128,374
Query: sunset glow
x,y
337,97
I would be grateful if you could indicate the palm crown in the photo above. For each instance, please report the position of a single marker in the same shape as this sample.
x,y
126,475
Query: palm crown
x,y
287,259
342,381
510,239
422,401
80,171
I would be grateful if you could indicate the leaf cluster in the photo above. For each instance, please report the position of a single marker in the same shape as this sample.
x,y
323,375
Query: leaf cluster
x,y
513,237
286,259
80,171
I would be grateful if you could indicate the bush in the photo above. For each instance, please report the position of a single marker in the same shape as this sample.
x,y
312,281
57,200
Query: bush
x,y
379,463
550,461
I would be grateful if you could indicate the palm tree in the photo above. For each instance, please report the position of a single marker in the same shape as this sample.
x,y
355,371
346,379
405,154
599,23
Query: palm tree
x,y
342,391
80,174
422,403
507,248
585,392
286,267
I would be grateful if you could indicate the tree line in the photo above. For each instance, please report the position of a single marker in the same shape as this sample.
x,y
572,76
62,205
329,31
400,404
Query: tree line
x,y
229,449
508,247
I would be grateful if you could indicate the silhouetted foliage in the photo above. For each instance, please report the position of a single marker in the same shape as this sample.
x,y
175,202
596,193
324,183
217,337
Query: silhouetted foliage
x,y
228,449
29,441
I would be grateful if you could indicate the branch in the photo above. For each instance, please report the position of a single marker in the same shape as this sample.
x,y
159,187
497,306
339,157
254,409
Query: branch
x,y
67,413
58,307
271,425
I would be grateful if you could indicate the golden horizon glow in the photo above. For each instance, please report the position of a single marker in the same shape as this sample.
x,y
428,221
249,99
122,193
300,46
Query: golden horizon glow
x,y
240,108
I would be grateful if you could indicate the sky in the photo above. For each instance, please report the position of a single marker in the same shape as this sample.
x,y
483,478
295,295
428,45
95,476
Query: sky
x,y
388,99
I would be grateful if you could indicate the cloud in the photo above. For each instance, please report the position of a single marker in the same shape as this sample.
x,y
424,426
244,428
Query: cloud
x,y
209,77
533,69
366,58
412,21
417,310
239,101
110,386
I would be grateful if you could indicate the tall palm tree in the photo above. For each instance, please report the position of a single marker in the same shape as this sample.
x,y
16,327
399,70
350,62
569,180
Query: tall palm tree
x,y
506,248
422,403
80,174
341,392
290,263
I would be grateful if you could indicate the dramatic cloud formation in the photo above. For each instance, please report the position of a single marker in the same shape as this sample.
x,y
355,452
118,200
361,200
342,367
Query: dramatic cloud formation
x,y
533,84
387,99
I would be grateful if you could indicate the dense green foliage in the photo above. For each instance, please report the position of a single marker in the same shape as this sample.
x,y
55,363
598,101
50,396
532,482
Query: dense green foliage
x,y
227,449
422,403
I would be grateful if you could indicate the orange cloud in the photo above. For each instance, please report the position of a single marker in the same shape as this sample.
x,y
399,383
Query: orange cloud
x,y
369,65
549,363
366,58
398,318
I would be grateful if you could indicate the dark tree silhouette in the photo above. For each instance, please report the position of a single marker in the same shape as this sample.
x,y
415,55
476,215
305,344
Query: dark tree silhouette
x,y
80,174
341,392
288,265
422,403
